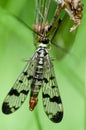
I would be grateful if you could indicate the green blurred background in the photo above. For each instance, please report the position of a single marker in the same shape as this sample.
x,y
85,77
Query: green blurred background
x,y
16,43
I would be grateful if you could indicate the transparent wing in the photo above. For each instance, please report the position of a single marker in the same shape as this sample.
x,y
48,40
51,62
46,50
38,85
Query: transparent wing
x,y
42,15
42,11
50,93
46,16
20,89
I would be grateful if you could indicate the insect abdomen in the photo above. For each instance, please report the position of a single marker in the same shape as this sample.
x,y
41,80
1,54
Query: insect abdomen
x,y
38,78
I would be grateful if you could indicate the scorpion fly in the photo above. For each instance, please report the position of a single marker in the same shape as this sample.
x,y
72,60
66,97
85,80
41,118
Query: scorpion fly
x,y
38,73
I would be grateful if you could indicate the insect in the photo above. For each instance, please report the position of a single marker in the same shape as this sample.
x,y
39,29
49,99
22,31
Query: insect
x,y
38,73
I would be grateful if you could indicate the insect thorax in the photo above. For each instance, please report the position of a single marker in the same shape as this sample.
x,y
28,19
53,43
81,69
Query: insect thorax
x,y
42,33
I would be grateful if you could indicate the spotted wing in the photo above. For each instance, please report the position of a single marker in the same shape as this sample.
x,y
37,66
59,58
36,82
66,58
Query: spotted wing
x,y
20,89
50,93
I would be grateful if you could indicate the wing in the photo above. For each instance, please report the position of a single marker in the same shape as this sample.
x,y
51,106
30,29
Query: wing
x,y
20,89
43,15
50,93
42,11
